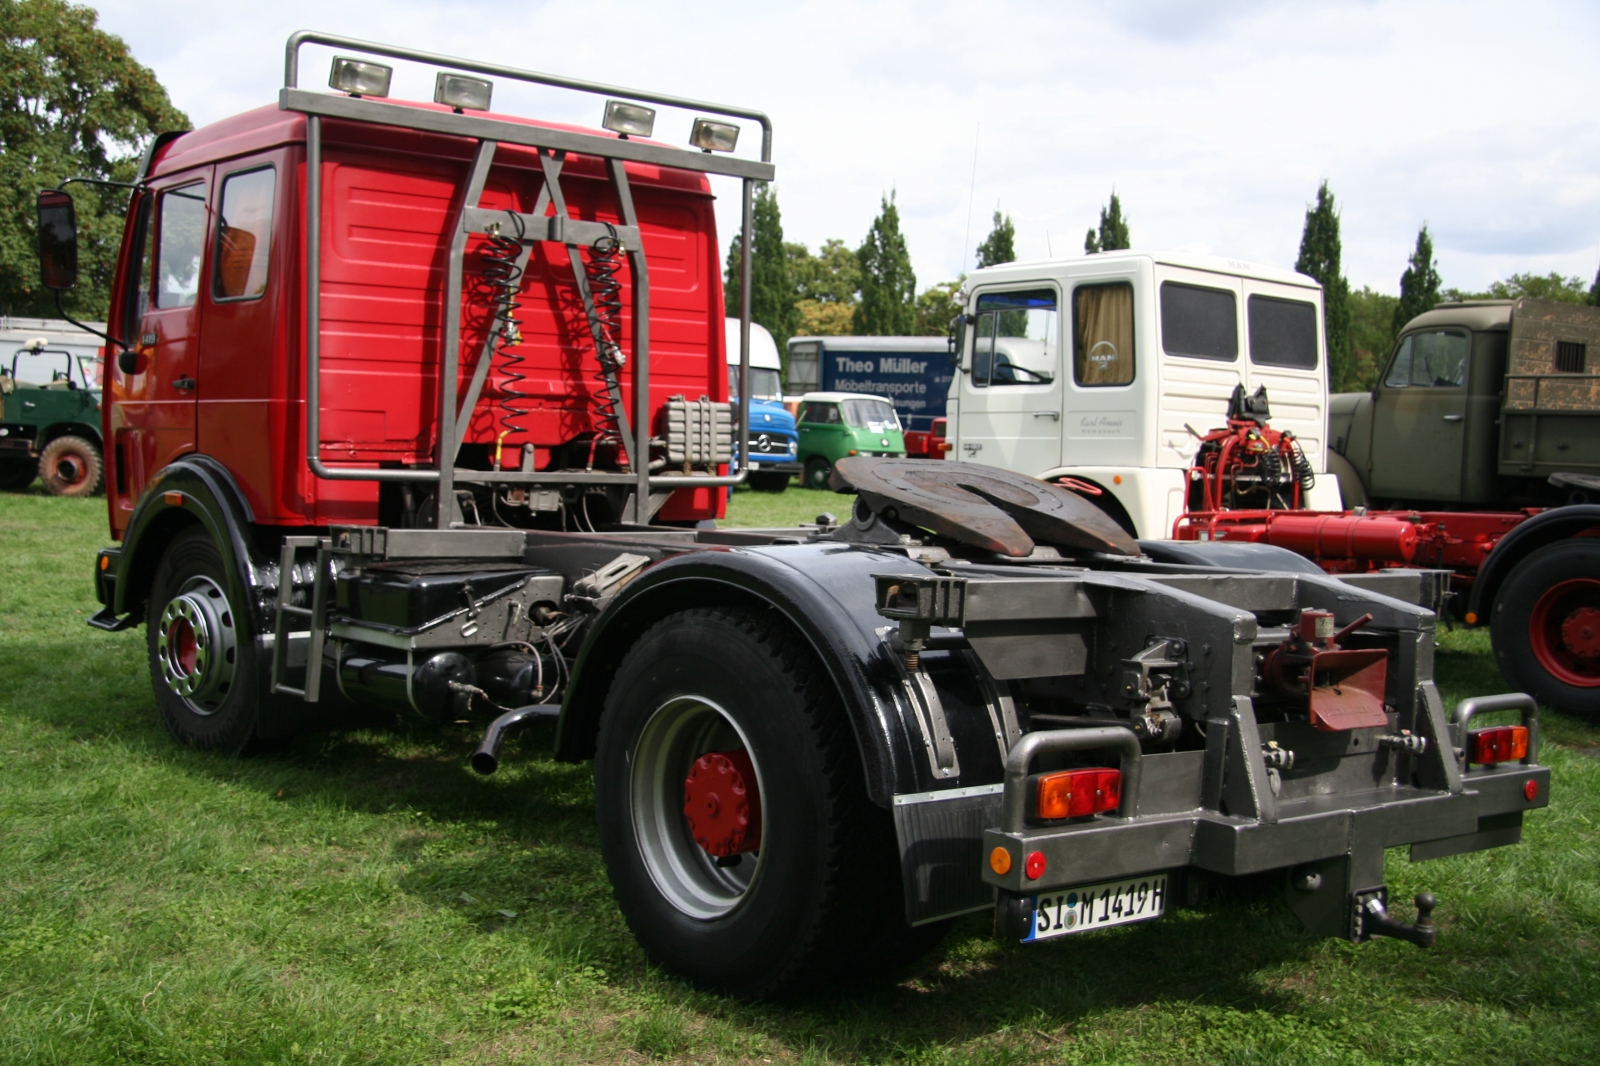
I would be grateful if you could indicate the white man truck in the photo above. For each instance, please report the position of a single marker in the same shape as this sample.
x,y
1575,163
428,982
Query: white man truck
x,y
1106,369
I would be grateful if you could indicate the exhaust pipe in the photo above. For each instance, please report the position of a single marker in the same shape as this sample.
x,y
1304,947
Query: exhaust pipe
x,y
486,760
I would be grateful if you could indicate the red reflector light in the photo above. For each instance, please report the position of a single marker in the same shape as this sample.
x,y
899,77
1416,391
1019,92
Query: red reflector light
x,y
1075,793
1530,790
1034,866
1501,743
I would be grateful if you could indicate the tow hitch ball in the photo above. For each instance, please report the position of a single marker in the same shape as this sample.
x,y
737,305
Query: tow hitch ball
x,y
1373,919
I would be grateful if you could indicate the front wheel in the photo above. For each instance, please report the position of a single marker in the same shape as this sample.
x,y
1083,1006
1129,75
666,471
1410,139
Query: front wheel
x,y
71,466
817,471
1545,627
202,649
733,816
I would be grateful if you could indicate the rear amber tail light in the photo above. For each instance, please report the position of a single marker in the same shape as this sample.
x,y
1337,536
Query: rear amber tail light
x,y
1501,743
1075,793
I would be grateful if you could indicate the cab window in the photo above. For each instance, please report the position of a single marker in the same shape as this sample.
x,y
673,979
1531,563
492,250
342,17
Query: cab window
x,y
1015,339
1282,332
1429,360
823,414
1199,322
244,235
136,295
764,383
1102,334
180,239
876,415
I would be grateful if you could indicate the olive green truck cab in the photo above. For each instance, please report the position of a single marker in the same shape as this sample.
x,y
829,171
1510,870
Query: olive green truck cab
x,y
50,430
1481,403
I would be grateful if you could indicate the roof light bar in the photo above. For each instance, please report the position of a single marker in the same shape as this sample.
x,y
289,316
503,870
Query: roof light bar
x,y
629,120
714,136
359,77
461,92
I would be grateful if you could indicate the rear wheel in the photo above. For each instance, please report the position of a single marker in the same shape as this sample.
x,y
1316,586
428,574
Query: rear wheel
x,y
734,821
1546,626
16,476
71,466
768,482
202,649
817,471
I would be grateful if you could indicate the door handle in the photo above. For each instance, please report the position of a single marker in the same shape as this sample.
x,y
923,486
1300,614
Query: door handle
x,y
1452,418
185,383
1054,416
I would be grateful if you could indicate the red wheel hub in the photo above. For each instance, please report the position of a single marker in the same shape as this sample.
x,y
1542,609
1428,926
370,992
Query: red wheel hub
x,y
722,803
181,639
1564,632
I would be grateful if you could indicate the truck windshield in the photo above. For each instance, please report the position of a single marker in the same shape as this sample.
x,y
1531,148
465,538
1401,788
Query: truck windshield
x,y
1430,360
876,415
764,383
1015,338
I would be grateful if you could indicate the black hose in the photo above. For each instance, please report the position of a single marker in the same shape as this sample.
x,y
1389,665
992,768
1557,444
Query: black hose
x,y
486,760
503,278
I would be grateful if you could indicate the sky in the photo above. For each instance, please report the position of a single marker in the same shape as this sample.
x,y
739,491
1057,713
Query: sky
x,y
1213,120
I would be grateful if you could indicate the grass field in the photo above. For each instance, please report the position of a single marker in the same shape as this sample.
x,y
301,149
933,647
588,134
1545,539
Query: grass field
x,y
363,898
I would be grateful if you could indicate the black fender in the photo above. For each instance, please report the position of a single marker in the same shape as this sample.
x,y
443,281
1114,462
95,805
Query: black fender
x,y
69,429
191,490
826,592
1547,527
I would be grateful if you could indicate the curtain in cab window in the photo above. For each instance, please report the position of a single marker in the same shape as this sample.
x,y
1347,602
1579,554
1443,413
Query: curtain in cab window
x,y
244,235
1015,338
182,237
1282,332
1102,334
1199,322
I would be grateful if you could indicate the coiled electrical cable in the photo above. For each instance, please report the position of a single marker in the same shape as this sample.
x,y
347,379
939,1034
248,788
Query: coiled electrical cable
x,y
605,299
502,276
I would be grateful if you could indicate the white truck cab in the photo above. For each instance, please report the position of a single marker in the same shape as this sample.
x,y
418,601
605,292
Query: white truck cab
x,y
1099,367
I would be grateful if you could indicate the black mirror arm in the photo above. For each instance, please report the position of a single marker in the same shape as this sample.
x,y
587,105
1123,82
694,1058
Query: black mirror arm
x,y
108,338
100,181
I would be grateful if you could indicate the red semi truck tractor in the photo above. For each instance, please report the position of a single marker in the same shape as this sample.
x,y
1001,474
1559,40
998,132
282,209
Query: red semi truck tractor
x,y
420,408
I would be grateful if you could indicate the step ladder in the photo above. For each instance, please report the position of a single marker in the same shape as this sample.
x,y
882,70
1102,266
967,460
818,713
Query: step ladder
x,y
315,617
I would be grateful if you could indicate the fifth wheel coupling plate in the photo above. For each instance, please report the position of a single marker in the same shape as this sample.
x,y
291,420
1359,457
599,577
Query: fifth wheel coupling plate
x,y
989,508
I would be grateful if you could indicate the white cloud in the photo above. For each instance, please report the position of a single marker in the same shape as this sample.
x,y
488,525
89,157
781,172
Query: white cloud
x,y
1214,121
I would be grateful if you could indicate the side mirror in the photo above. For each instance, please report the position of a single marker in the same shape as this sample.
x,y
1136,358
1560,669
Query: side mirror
x,y
958,338
128,361
58,241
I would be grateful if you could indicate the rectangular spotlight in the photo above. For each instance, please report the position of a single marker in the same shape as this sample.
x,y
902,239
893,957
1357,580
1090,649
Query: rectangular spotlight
x,y
630,120
461,92
714,136
359,77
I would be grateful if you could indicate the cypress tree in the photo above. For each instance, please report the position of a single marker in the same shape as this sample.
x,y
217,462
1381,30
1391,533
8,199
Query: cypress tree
x,y
1320,252
1000,245
1113,235
888,287
1594,290
1419,285
772,289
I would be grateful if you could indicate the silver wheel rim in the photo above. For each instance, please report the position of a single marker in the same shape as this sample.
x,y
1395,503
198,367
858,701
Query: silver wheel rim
x,y
197,645
679,732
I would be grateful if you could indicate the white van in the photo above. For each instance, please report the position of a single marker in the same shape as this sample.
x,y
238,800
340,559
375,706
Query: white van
x,y
1106,367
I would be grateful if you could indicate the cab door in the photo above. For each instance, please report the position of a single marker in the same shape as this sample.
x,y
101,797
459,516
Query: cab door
x,y
1009,400
155,416
1419,418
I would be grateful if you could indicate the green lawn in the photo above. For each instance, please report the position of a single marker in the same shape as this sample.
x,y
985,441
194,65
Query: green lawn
x,y
363,897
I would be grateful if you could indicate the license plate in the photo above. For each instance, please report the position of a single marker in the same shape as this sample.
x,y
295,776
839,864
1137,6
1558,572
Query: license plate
x,y
1074,910
755,466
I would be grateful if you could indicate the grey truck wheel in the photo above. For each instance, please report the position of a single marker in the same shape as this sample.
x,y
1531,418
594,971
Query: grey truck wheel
x,y
734,821
202,649
71,466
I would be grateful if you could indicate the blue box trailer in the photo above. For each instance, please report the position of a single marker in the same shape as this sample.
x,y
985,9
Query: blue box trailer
x,y
914,373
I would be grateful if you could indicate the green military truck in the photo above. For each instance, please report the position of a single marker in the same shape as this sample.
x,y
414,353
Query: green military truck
x,y
50,430
1486,423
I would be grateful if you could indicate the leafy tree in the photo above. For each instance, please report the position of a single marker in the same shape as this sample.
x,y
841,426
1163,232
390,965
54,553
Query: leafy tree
x,y
888,286
825,288
1419,285
1371,340
937,306
75,104
1113,235
1550,286
772,292
1000,245
1320,252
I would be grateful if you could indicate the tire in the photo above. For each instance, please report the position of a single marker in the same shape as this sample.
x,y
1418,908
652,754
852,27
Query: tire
x,y
768,482
16,476
71,466
1545,626
817,471
820,896
201,648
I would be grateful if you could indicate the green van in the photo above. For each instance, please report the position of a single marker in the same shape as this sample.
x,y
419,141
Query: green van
x,y
836,424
